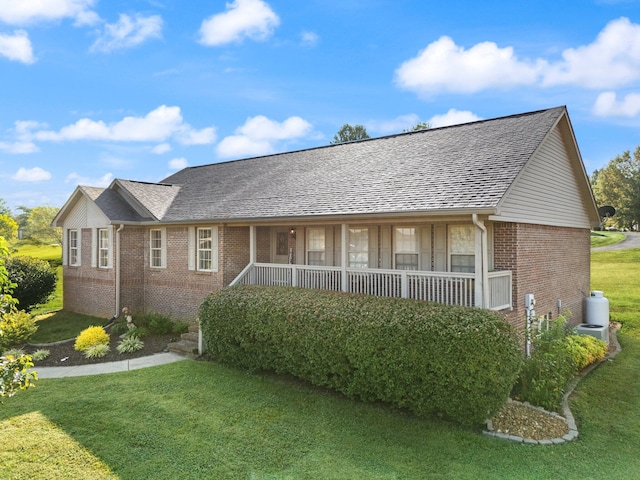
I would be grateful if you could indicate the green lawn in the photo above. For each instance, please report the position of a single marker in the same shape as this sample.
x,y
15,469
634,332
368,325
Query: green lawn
x,y
600,239
62,325
198,420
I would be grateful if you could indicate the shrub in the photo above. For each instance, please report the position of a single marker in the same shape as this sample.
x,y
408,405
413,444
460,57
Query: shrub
x,y
97,350
138,332
119,328
585,350
557,357
40,354
158,324
15,374
14,352
179,327
35,280
459,363
16,327
91,336
130,344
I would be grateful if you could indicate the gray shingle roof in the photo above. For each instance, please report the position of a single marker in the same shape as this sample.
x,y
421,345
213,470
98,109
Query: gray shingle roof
x,y
112,205
468,166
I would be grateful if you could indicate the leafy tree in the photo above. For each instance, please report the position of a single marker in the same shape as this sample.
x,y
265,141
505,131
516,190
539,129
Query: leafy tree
x,y
15,374
618,184
350,133
8,227
39,229
35,280
7,301
4,208
418,126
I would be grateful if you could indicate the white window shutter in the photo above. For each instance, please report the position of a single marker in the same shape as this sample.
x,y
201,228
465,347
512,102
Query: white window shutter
x,y
94,247
214,248
192,248
425,248
163,254
111,251
373,247
65,247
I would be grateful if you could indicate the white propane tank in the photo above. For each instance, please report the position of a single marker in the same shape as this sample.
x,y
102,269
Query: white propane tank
x,y
597,309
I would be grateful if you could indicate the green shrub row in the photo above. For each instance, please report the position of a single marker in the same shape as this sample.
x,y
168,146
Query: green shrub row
x,y
35,280
458,363
557,357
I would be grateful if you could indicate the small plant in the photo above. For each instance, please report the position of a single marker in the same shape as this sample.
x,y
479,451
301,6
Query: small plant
x,y
138,332
91,336
40,355
129,345
14,352
179,327
119,328
158,324
17,327
99,350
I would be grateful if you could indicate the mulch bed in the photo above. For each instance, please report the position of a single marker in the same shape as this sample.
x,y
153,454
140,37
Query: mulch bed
x,y
64,355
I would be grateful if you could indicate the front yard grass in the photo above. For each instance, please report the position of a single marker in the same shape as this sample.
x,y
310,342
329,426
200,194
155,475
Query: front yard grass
x,y
194,420
62,325
603,238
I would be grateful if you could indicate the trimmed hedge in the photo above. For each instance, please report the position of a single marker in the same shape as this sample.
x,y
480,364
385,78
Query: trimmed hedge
x,y
454,362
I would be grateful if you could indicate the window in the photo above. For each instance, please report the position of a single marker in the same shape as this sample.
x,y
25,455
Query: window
x,y
74,255
406,248
157,248
462,248
315,246
359,247
103,248
205,249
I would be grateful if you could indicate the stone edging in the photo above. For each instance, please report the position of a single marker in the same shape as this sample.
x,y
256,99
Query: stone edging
x,y
568,416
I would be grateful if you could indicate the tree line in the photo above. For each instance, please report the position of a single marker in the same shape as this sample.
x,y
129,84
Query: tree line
x,y
33,224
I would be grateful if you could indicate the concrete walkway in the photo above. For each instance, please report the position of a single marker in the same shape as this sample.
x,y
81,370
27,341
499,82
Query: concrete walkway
x,y
108,367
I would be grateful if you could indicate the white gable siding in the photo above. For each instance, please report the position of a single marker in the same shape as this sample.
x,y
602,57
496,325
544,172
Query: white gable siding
x,y
547,191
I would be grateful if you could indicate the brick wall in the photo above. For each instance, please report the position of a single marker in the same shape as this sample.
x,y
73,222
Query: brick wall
x,y
553,263
88,289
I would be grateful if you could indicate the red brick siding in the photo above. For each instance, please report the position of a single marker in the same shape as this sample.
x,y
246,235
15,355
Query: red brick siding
x,y
89,290
553,263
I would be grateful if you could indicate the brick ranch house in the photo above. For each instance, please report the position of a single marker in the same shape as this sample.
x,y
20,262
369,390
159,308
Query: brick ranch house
x,y
475,214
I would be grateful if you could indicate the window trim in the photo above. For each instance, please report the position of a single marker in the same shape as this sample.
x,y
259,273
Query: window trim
x,y
200,251
415,251
322,251
365,252
450,252
73,247
102,249
162,249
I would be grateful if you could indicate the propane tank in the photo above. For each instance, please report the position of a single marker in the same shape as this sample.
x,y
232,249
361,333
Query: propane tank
x,y
597,309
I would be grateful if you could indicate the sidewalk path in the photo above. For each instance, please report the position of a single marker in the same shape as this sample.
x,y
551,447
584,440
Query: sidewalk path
x,y
108,367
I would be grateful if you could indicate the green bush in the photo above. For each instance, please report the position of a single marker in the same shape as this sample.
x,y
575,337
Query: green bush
x,y
130,344
179,327
158,323
91,336
458,363
558,355
16,327
35,280
99,350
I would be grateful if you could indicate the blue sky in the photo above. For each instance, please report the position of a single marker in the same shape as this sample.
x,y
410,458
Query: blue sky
x,y
92,90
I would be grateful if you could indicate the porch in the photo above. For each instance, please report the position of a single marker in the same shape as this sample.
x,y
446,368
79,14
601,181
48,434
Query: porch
x,y
375,268
441,287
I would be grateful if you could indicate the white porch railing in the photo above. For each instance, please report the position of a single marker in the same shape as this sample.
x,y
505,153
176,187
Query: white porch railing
x,y
441,287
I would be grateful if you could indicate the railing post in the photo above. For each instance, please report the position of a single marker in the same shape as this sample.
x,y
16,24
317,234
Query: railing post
x,y
404,284
345,258
294,276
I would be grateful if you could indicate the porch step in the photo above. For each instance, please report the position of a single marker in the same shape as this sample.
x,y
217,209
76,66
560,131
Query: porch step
x,y
187,345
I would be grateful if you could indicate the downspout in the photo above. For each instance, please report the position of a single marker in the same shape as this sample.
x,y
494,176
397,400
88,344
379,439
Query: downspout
x,y
120,228
485,259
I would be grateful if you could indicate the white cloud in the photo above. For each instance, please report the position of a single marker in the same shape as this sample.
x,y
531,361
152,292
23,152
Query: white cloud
x,y
444,66
259,134
18,147
178,163
607,105
243,18
23,12
161,148
35,174
128,32
17,47
611,60
103,181
23,139
157,126
453,117
309,39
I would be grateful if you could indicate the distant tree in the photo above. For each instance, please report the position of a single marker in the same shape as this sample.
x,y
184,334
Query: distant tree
x,y
8,227
4,208
418,126
23,217
38,228
350,133
618,184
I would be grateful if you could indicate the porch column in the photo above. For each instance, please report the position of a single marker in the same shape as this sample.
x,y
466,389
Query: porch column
x,y
482,264
345,257
252,244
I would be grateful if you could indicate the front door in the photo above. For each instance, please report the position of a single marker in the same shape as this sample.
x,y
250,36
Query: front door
x,y
280,245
